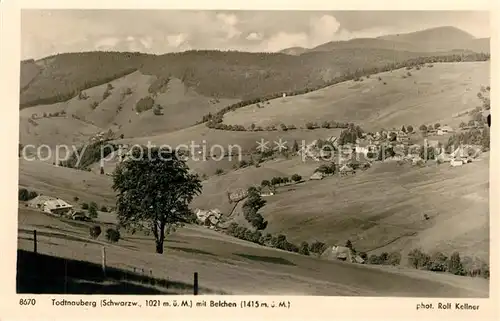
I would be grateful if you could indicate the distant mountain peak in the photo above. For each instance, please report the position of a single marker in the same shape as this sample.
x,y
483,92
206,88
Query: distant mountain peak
x,y
445,33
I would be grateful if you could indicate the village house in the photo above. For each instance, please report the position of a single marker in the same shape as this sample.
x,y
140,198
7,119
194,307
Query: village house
x,y
317,176
341,253
415,159
362,149
466,151
266,191
51,205
213,216
456,162
333,140
444,158
345,170
446,129
402,137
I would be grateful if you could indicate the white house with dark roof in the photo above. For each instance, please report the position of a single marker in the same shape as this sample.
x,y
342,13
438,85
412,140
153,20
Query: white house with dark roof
x,y
51,205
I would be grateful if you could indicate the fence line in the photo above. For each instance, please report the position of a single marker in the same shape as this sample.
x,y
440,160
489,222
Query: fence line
x,y
125,270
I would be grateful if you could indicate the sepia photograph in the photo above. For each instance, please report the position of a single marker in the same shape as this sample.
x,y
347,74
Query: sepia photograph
x,y
236,152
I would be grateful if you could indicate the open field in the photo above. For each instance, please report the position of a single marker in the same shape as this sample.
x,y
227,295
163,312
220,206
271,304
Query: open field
x,y
382,209
65,183
429,95
232,266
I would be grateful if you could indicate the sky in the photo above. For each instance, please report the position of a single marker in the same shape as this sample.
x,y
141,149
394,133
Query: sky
x,y
48,32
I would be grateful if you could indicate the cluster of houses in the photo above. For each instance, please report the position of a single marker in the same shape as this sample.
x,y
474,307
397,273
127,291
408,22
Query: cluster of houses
x,y
209,217
370,143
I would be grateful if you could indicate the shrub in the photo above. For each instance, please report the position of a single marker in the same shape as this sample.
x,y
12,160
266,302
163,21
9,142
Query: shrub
x,y
106,94
363,255
144,104
93,210
122,136
318,247
85,206
219,171
296,178
32,195
104,209
418,259
438,262
112,235
95,231
23,194
383,257
374,259
94,105
394,258
455,265
304,248
243,163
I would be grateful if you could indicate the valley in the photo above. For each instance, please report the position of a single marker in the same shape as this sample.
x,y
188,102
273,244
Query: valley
x,y
388,207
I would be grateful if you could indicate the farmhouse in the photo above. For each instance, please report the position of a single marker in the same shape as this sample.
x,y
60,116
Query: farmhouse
x,y
317,176
402,137
344,170
443,157
416,160
50,205
446,129
266,191
333,140
213,216
466,151
341,253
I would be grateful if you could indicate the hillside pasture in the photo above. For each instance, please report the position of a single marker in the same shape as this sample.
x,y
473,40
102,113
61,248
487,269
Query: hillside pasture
x,y
65,183
382,209
429,95
182,107
228,265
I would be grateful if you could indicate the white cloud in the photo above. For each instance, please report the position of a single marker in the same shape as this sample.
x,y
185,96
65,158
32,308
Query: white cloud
x,y
254,36
147,42
177,40
321,29
229,22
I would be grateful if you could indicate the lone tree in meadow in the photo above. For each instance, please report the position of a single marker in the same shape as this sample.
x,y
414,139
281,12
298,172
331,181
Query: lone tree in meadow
x,y
154,189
